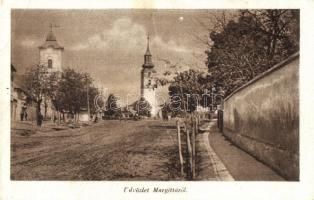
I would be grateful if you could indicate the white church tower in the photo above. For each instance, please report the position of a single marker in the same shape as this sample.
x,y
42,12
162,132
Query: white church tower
x,y
148,85
50,53
50,56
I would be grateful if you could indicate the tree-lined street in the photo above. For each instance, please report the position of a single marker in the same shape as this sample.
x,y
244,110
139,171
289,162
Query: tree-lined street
x,y
113,116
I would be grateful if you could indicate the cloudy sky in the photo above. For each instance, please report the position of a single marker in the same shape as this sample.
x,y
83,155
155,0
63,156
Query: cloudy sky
x,y
110,44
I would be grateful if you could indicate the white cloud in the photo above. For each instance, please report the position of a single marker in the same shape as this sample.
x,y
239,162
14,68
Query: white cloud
x,y
79,47
170,45
125,36
28,43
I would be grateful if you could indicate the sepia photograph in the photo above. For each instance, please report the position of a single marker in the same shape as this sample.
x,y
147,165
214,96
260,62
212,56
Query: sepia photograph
x,y
154,95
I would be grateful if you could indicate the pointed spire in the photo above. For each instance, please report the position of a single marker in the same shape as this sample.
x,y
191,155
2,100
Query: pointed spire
x,y
148,57
148,42
147,50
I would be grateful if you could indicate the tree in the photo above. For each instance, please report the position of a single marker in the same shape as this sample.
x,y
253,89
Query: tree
x,y
54,92
112,108
72,92
251,44
39,85
187,89
93,93
66,90
188,86
142,107
281,28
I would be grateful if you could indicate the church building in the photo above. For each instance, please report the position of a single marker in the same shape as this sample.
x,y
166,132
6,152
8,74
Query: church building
x,y
50,56
50,53
148,84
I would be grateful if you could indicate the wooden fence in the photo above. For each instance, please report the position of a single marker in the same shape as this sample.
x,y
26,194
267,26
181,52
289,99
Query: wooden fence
x,y
187,129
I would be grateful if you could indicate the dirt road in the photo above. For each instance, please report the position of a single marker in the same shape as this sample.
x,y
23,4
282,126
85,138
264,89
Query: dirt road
x,y
109,150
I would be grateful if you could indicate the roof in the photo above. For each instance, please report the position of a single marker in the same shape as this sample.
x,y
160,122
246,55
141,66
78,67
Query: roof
x,y
51,41
149,68
19,82
13,69
51,37
148,65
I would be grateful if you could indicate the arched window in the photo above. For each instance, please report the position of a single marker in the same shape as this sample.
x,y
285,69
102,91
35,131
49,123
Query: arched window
x,y
49,63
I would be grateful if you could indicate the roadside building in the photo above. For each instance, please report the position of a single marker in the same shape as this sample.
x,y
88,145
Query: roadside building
x,y
22,106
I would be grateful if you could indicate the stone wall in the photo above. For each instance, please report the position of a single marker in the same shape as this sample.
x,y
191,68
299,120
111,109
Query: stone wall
x,y
262,117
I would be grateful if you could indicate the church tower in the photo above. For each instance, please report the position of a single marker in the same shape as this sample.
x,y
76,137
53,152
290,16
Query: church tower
x,y
50,53
148,85
50,56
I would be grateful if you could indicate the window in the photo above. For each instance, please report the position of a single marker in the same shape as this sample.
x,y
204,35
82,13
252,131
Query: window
x,y
49,63
149,82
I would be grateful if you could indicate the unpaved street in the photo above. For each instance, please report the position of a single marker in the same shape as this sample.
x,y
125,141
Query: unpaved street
x,y
109,150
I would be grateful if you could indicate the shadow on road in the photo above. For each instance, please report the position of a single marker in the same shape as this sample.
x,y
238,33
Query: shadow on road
x,y
163,127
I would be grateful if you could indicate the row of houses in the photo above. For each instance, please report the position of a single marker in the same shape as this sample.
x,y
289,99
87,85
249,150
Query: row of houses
x,y
22,108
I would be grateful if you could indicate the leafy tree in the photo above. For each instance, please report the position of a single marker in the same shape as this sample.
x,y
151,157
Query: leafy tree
x,y
187,89
251,44
112,108
66,90
93,93
142,107
71,93
39,85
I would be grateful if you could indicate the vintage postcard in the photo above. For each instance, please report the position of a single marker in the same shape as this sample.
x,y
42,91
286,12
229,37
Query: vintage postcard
x,y
148,102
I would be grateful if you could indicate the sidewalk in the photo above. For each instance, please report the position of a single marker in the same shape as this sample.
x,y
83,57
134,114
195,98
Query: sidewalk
x,y
241,165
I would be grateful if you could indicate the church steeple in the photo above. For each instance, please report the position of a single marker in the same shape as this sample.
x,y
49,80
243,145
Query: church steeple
x,y
147,50
50,52
148,82
148,57
51,37
51,40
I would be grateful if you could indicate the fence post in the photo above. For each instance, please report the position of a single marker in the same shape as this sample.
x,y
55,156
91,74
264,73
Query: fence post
x,y
180,150
193,146
189,152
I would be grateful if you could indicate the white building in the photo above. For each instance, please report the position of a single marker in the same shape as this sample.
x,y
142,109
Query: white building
x,y
148,85
50,56
50,53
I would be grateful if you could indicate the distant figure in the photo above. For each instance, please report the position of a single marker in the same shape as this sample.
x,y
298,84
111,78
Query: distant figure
x,y
25,115
23,111
40,119
54,119
22,115
95,119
